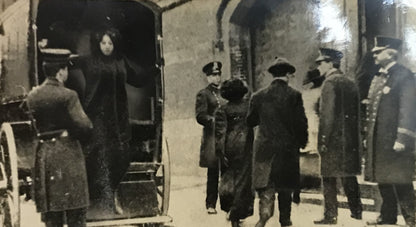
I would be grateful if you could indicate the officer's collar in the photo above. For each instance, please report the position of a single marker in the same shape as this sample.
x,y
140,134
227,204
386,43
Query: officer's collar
x,y
385,70
53,81
213,87
332,72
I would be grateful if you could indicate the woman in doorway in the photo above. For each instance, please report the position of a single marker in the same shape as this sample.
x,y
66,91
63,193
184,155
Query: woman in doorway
x,y
106,72
234,146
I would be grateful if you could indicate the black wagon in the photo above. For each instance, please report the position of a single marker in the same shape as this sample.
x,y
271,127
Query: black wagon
x,y
24,26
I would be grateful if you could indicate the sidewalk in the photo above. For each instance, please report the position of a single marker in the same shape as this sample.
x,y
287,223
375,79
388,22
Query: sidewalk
x,y
188,210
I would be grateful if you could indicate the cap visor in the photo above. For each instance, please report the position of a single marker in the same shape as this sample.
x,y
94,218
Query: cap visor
x,y
375,49
320,58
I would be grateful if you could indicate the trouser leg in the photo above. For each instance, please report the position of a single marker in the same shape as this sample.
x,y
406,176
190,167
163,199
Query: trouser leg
x,y
388,210
266,204
406,197
330,197
285,205
212,187
54,219
76,217
352,191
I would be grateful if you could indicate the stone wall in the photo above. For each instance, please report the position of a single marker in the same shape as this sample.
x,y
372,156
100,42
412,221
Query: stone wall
x,y
296,29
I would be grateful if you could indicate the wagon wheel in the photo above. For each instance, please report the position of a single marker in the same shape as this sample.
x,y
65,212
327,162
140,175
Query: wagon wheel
x,y
10,204
163,180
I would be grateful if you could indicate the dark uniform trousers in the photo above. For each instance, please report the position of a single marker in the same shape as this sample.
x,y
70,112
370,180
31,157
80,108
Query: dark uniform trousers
x,y
266,204
351,190
393,193
74,218
212,187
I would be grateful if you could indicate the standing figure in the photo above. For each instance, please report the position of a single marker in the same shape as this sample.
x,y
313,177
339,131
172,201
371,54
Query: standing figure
x,y
208,100
390,133
106,73
338,136
234,146
313,86
60,178
278,112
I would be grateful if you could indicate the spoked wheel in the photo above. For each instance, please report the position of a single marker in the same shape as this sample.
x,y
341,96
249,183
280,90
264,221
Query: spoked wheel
x,y
163,180
9,185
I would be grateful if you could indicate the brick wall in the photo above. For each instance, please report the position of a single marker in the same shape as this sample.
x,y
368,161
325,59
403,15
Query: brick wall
x,y
189,33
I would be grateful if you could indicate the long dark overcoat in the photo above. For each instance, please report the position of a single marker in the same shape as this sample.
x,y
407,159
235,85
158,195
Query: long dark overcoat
x,y
235,143
391,117
282,129
339,127
60,177
208,100
106,105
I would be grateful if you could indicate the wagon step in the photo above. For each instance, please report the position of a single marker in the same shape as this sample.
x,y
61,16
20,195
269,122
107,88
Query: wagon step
x,y
132,221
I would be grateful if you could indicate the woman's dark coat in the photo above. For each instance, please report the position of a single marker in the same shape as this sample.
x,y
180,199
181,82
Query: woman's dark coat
x,y
339,127
60,177
106,105
282,129
391,117
208,100
235,143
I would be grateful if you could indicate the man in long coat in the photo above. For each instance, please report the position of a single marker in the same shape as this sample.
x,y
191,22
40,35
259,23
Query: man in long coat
x,y
60,175
208,100
338,136
278,112
390,140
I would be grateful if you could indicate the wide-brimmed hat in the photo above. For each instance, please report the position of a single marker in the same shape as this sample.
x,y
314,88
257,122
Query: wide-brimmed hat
x,y
313,76
233,89
328,54
280,66
384,42
212,68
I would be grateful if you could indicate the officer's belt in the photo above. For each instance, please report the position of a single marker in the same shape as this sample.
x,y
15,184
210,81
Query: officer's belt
x,y
52,135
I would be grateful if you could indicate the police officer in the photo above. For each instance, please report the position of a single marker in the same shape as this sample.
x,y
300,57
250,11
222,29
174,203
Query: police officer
x,y
208,100
60,183
278,112
390,133
338,136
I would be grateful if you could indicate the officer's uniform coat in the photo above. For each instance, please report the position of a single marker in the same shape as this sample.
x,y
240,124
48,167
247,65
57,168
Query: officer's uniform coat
x,y
282,129
339,131
60,177
208,100
391,116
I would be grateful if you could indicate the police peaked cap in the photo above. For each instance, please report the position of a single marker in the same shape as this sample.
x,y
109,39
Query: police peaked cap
x,y
384,42
328,54
212,68
281,65
51,55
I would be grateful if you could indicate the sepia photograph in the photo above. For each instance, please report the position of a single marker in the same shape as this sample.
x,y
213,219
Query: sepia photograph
x,y
203,113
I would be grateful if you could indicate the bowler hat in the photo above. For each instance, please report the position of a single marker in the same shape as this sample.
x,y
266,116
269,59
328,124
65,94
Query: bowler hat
x,y
384,42
281,66
328,54
212,68
51,55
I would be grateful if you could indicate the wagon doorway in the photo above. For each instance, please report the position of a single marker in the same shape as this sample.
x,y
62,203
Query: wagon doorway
x,y
71,25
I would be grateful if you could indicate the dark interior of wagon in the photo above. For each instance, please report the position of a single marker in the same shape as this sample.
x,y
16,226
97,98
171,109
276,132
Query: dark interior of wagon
x,y
69,24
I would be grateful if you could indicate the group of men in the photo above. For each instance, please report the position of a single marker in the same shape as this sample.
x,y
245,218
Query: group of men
x,y
388,136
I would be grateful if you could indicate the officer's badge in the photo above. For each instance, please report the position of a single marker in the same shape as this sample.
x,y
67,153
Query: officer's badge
x,y
386,90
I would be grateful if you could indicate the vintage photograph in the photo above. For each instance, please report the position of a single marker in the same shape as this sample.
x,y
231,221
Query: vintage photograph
x,y
184,113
